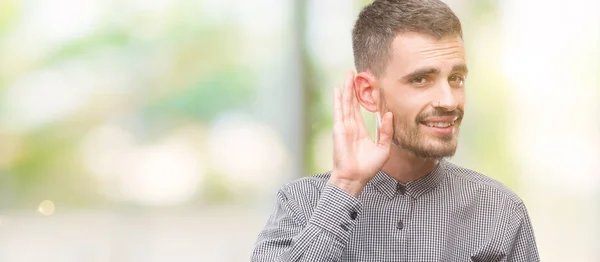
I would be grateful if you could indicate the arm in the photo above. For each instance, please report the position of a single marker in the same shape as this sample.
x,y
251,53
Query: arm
x,y
323,235
523,246
290,236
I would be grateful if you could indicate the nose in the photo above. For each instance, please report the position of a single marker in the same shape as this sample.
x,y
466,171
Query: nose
x,y
446,98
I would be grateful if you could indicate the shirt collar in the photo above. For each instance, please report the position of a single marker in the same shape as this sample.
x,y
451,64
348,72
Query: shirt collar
x,y
390,187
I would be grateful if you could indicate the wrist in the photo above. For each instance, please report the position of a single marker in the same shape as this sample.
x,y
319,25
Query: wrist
x,y
352,186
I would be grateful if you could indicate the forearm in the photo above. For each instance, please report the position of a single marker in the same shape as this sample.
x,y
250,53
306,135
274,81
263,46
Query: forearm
x,y
320,236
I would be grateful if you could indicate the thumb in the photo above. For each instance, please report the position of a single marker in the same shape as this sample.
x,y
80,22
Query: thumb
x,y
386,131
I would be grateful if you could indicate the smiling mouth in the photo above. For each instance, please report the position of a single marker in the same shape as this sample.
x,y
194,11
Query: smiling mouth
x,y
440,124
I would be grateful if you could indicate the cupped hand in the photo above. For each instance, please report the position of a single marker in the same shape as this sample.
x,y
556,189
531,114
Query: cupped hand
x,y
356,157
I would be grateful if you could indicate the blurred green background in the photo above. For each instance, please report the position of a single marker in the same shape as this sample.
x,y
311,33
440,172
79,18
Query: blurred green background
x,y
147,131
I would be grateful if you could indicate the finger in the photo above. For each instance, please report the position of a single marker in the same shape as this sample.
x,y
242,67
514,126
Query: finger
x,y
387,130
356,108
358,117
353,103
346,100
337,106
377,126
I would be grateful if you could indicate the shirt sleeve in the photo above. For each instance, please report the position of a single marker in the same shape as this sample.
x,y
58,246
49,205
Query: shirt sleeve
x,y
289,235
523,244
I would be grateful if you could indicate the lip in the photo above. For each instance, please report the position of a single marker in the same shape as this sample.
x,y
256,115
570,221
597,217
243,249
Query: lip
x,y
440,130
439,119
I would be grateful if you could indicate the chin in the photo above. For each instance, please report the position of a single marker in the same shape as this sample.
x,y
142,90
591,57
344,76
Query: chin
x,y
427,145
446,151
431,150
439,148
448,144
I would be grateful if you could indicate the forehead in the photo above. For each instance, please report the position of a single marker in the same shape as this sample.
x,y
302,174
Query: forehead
x,y
415,50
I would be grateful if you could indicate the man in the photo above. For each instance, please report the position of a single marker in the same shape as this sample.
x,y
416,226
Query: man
x,y
398,199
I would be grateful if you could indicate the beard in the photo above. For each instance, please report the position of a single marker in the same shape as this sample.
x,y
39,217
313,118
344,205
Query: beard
x,y
409,135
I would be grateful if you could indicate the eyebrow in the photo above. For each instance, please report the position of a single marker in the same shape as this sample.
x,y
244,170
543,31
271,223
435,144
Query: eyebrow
x,y
421,72
434,71
460,68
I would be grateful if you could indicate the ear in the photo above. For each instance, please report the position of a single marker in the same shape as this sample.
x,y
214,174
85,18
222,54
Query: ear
x,y
367,90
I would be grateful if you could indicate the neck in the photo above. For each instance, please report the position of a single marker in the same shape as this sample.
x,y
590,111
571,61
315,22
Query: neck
x,y
404,166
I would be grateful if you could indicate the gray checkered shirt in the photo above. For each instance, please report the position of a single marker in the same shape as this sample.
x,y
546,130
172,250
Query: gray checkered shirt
x,y
452,214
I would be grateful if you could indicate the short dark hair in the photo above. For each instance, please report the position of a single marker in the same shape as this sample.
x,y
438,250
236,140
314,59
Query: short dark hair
x,y
381,21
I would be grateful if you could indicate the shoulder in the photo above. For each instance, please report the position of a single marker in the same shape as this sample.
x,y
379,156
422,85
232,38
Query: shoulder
x,y
306,187
302,195
473,182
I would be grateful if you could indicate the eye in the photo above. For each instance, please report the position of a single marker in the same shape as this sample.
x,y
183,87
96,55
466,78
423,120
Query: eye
x,y
420,80
456,80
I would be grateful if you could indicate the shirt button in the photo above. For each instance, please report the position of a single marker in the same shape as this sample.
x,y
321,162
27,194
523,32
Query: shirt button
x,y
400,225
401,189
353,215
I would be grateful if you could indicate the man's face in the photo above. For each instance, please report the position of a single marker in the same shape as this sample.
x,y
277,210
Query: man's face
x,y
423,86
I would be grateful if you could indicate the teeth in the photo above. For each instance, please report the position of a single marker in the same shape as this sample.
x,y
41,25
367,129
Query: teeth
x,y
440,124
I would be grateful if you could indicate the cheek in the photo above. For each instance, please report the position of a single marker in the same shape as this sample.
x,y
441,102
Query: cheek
x,y
406,103
405,112
459,96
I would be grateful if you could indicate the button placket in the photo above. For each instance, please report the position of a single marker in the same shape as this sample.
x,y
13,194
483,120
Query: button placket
x,y
400,225
401,189
400,208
